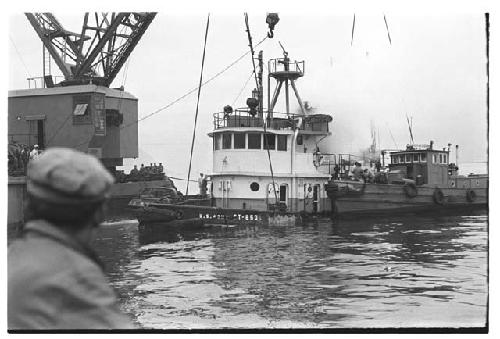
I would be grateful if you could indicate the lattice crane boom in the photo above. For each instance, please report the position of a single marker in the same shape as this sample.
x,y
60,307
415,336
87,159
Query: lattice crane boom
x,y
97,53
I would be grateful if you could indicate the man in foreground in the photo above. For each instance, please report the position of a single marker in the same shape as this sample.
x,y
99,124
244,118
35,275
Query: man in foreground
x,y
55,280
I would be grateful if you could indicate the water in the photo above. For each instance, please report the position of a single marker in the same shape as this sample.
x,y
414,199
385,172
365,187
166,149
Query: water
x,y
410,272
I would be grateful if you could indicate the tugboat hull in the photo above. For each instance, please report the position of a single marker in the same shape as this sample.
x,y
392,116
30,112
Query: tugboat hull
x,y
211,216
349,198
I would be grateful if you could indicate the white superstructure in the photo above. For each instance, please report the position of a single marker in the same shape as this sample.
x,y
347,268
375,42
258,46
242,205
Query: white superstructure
x,y
253,148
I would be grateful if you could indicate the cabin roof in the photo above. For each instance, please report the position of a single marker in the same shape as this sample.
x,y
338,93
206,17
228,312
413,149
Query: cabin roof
x,y
419,151
109,92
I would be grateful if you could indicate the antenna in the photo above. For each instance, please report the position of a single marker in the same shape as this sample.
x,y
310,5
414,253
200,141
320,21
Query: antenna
x,y
283,48
386,27
410,128
392,137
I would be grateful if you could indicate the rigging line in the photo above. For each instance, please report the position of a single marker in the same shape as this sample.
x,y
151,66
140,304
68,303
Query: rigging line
x,y
20,57
243,88
387,27
216,75
395,144
176,178
266,143
251,49
124,79
353,24
203,84
409,128
197,104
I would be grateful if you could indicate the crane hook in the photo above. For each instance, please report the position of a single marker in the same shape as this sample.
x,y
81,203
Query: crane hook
x,y
271,20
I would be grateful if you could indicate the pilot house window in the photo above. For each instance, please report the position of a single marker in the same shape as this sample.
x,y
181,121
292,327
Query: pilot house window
x,y
282,142
254,141
226,141
239,140
270,141
217,142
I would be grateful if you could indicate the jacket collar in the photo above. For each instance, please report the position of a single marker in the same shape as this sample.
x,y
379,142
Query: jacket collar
x,y
46,229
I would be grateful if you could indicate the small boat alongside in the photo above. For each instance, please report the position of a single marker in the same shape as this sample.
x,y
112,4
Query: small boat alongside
x,y
418,179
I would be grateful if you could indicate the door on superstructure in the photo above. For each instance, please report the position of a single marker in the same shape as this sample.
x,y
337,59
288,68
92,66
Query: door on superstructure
x,y
36,133
315,198
272,194
308,198
284,195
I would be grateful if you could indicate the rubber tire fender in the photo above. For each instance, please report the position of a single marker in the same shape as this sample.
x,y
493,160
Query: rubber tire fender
x,y
470,195
178,214
438,196
410,190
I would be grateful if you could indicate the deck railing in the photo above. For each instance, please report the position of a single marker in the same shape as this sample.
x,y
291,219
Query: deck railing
x,y
242,117
343,161
286,65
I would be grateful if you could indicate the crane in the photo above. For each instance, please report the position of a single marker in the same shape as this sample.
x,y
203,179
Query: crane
x,y
97,53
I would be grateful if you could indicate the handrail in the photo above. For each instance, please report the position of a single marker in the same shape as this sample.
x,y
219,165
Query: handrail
x,y
244,117
286,65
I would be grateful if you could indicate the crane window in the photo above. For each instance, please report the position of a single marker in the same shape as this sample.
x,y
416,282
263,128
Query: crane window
x,y
81,110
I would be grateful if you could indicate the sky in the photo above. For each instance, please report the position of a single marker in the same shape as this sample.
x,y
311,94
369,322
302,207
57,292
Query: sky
x,y
434,71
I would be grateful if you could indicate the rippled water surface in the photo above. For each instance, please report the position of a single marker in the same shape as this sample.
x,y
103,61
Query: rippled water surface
x,y
405,271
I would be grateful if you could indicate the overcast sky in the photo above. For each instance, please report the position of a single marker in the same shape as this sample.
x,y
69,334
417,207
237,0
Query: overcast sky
x,y
434,71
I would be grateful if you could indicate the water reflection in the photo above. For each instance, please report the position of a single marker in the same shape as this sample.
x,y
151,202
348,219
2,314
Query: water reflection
x,y
419,271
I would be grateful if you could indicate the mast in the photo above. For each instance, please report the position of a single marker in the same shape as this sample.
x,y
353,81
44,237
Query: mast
x,y
261,88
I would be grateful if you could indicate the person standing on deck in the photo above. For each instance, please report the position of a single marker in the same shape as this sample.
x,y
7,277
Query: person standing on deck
x,y
200,183
55,279
34,153
357,172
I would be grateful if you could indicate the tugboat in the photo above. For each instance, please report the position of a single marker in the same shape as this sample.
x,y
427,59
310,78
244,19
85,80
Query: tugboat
x,y
266,164
268,168
417,179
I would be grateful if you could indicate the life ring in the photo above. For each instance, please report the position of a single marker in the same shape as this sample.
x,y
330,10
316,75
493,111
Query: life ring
x,y
438,196
410,190
178,215
470,195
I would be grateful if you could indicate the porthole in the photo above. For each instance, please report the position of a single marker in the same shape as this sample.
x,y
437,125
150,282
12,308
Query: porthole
x,y
254,186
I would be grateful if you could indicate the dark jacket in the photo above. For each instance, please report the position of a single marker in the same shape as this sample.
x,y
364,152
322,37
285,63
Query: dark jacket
x,y
54,282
